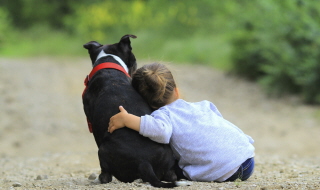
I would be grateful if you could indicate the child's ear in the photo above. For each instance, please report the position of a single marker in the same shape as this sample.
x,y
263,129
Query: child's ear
x,y
177,93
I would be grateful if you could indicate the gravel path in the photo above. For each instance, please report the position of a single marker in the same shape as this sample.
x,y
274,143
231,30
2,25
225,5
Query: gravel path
x,y
45,143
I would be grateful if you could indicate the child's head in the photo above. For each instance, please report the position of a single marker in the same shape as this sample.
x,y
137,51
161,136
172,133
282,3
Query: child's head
x,y
155,83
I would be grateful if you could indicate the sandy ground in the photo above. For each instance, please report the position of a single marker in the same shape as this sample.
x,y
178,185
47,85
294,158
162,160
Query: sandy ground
x,y
45,142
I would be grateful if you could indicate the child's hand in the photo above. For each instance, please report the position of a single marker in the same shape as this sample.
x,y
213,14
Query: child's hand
x,y
118,121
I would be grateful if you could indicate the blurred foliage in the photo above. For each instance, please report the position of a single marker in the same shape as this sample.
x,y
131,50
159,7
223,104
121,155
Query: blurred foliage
x,y
5,27
280,48
180,31
273,42
27,13
172,19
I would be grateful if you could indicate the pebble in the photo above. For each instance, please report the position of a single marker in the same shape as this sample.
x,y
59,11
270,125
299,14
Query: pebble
x,y
41,177
16,184
93,176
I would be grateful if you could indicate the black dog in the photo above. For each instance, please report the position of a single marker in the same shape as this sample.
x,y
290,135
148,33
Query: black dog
x,y
124,154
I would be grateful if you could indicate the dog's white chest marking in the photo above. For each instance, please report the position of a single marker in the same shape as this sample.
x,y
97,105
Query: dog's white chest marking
x,y
103,54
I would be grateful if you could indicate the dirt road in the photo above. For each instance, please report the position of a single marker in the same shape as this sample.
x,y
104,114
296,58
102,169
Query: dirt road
x,y
45,143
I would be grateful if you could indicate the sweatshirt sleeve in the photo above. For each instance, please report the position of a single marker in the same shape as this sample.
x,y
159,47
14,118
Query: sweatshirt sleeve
x,y
215,109
156,126
250,139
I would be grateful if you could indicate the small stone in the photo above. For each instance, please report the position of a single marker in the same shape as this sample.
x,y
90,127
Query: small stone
x,y
16,184
41,177
93,176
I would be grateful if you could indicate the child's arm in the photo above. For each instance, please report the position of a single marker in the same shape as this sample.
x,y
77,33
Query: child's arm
x,y
123,119
158,129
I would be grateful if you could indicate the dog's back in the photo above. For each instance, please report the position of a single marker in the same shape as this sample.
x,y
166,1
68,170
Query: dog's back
x,y
124,154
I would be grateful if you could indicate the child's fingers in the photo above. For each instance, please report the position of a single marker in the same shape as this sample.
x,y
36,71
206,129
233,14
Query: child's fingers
x,y
110,122
122,109
110,125
111,129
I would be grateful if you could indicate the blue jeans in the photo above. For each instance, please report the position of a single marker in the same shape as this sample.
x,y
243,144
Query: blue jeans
x,y
244,171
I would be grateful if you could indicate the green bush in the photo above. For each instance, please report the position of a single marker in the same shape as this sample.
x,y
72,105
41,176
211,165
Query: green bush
x,y
106,19
4,27
280,47
186,32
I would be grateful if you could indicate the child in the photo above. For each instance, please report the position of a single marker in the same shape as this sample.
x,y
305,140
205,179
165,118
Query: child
x,y
208,147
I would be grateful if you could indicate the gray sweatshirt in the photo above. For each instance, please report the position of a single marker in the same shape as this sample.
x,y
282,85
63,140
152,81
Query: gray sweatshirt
x,y
208,147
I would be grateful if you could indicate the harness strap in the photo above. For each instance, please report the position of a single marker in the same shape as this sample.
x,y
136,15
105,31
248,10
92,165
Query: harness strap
x,y
107,65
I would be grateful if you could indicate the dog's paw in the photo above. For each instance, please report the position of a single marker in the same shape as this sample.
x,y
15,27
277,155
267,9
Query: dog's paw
x,y
183,183
105,178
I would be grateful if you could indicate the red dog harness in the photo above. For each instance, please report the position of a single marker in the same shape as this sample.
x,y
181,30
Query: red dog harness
x,y
107,65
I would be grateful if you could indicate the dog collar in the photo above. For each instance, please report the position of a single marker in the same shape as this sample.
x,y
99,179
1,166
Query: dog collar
x,y
106,65
103,54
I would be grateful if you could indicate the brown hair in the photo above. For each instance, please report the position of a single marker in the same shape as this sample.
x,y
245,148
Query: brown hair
x,y
155,84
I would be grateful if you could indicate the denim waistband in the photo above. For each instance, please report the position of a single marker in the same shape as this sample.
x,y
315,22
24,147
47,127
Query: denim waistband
x,y
244,171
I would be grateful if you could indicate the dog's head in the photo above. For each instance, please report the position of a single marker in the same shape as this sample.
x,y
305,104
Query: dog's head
x,y
121,49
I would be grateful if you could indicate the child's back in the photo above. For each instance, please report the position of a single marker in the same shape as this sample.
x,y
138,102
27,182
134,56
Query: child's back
x,y
208,146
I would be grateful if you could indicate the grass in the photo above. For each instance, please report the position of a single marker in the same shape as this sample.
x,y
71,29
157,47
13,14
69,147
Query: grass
x,y
41,41
213,50
317,115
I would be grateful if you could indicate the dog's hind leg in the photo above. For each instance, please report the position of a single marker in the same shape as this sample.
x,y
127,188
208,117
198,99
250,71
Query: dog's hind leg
x,y
105,176
147,175
170,175
178,171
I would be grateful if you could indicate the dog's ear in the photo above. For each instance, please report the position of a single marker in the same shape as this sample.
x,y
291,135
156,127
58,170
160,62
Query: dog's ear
x,y
93,50
125,42
92,44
